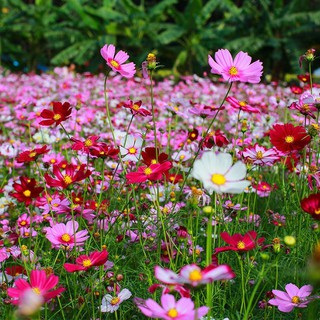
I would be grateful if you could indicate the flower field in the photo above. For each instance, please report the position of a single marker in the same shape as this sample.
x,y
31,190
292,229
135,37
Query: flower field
x,y
123,196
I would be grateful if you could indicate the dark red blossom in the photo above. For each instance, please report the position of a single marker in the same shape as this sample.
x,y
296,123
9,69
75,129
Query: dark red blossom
x,y
71,175
31,155
286,137
84,262
304,77
102,150
61,112
84,145
135,108
26,191
240,242
215,138
311,205
149,156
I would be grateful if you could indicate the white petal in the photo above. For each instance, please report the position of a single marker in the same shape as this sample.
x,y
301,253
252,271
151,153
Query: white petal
x,y
237,172
235,187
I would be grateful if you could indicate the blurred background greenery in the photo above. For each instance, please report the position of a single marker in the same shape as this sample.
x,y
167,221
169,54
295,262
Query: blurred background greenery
x,y
38,35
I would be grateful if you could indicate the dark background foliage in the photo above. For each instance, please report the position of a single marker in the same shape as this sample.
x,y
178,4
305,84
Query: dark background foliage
x,y
37,35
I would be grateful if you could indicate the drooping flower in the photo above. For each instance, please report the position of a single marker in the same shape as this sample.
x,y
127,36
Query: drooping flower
x,y
217,173
182,309
240,242
286,137
240,69
71,175
241,105
311,205
117,62
193,275
111,303
40,284
305,105
66,235
291,298
31,155
26,191
84,262
61,112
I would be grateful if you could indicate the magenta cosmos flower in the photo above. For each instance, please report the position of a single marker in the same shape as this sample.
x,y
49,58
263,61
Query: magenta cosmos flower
x,y
66,235
171,309
193,275
240,69
116,62
40,283
292,297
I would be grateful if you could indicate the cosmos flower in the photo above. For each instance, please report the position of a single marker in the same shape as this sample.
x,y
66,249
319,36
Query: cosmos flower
x,y
217,173
240,69
117,62
241,105
311,205
136,109
259,155
130,148
182,309
31,155
111,303
286,137
291,298
61,112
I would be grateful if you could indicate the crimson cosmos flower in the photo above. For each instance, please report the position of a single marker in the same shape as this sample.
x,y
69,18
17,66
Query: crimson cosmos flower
x,y
31,155
242,105
135,108
84,145
239,242
286,137
71,175
84,262
149,156
102,150
153,172
26,191
311,205
61,112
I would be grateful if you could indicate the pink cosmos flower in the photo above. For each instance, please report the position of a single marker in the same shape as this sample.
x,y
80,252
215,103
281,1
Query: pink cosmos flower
x,y
84,262
240,69
116,62
193,275
292,297
65,235
241,105
40,284
171,309
259,155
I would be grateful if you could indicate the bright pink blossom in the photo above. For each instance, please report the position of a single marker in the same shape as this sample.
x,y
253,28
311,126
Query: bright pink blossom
x,y
117,62
240,69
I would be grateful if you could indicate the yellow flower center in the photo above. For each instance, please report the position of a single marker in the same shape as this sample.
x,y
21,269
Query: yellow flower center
x,y
88,143
132,150
242,103
66,237
53,160
67,179
32,154
218,179
259,155
317,211
36,290
135,107
241,245
23,223
295,299
87,263
115,300
27,193
147,171
176,108
153,161
233,71
306,107
289,139
195,275
172,313
115,64
57,116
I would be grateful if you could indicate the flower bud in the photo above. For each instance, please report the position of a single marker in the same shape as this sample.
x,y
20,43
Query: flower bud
x,y
289,241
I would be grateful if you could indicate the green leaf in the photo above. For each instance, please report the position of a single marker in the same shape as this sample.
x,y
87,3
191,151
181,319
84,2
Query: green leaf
x,y
172,34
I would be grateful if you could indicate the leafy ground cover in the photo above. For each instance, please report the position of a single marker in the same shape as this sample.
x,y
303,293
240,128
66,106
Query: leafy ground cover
x,y
123,197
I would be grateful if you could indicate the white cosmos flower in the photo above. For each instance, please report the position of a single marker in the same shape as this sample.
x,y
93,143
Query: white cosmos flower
x,y
111,303
216,172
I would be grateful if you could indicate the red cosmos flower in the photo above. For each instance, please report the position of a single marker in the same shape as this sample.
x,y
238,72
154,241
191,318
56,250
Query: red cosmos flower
x,y
71,175
215,138
84,262
31,155
153,172
40,284
304,77
286,137
296,90
26,191
135,108
311,205
102,150
84,145
240,242
242,105
149,156
61,112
